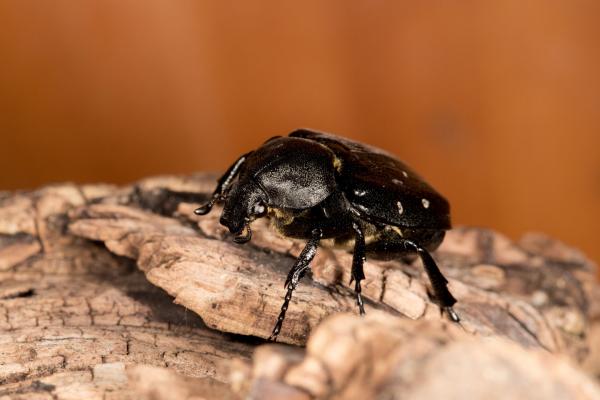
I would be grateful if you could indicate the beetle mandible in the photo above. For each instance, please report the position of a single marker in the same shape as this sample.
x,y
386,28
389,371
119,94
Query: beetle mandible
x,y
316,186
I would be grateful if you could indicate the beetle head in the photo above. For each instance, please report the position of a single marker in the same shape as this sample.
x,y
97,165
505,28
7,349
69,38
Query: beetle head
x,y
244,204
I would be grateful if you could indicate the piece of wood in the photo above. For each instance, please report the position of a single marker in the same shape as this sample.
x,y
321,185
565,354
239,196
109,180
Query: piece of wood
x,y
89,274
383,357
74,317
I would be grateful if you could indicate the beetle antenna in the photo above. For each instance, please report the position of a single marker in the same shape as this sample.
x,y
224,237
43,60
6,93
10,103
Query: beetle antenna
x,y
245,235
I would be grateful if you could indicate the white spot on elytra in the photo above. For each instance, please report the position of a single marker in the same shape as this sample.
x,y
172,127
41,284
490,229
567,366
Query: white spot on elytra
x,y
425,203
405,174
397,181
400,208
362,208
360,193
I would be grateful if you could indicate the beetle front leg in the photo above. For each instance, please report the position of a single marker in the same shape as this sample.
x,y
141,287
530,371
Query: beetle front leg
x,y
222,185
439,283
358,259
297,272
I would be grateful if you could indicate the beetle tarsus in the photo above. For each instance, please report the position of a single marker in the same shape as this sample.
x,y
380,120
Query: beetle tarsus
x,y
290,276
284,307
297,272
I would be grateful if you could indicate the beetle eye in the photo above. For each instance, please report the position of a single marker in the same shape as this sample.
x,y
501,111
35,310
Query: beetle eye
x,y
259,210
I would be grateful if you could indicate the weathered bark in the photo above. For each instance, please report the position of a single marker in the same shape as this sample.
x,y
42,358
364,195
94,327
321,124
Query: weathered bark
x,y
379,357
74,317
79,317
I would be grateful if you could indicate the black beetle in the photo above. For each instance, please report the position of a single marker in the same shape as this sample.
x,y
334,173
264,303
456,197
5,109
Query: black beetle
x,y
318,186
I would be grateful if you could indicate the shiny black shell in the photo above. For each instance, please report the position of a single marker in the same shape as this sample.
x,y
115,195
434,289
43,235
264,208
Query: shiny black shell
x,y
381,188
295,173
311,180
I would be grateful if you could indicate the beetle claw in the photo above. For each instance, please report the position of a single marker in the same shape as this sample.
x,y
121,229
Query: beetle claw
x,y
452,315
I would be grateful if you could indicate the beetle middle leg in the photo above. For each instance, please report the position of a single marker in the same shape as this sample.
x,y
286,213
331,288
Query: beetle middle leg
x,y
223,185
358,259
297,272
438,281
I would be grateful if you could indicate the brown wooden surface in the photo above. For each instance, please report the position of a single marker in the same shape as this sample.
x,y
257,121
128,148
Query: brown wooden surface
x,y
89,275
379,357
77,320
495,102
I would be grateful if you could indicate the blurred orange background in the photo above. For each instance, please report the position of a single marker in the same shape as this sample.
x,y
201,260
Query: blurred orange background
x,y
496,103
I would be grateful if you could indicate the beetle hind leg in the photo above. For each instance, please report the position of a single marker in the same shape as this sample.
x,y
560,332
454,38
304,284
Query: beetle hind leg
x,y
358,259
439,283
297,272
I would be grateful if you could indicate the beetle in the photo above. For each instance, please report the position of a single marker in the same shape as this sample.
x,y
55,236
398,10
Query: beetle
x,y
317,186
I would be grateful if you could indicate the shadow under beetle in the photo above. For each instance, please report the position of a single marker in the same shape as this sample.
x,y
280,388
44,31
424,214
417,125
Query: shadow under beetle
x,y
318,186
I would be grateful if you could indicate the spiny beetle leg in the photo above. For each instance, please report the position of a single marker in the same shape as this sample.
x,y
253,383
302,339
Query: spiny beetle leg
x,y
358,259
439,283
223,185
299,269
